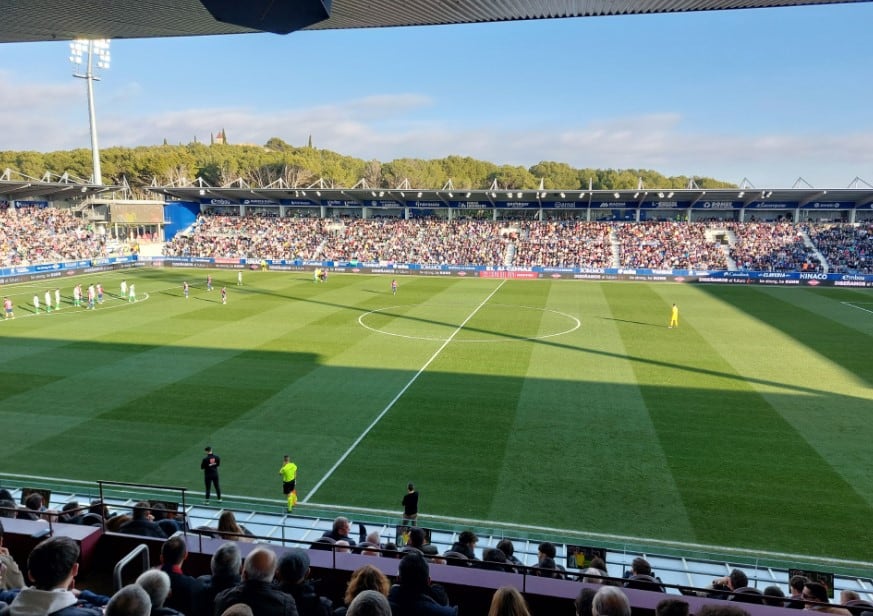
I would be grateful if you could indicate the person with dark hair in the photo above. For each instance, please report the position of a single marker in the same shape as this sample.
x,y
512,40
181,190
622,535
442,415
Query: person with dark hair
x,y
410,506
184,589
795,586
723,587
583,601
229,528
508,549
466,544
11,574
143,523
774,596
546,553
209,465
417,538
226,567
671,607
33,506
410,596
51,567
815,597
292,576
495,559
8,508
720,609
256,589
369,603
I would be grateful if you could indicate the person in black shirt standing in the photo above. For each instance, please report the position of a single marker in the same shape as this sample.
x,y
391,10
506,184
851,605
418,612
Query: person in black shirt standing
x,y
410,506
209,465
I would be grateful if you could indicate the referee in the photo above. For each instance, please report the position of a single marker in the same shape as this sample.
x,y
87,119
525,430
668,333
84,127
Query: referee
x,y
289,481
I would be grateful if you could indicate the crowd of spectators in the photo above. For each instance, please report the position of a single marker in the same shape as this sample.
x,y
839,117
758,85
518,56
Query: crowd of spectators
x,y
41,235
46,235
270,582
711,245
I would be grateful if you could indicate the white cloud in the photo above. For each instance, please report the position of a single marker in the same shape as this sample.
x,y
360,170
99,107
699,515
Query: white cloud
x,y
392,126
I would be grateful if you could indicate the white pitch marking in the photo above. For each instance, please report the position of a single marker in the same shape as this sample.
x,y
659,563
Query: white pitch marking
x,y
397,397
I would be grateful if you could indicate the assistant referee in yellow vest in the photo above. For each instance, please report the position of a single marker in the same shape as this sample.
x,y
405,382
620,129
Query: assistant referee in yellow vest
x,y
289,481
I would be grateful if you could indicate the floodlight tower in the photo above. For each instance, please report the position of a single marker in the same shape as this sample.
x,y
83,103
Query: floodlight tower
x,y
84,52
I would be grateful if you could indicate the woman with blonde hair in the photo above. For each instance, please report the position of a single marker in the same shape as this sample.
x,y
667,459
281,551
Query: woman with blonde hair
x,y
364,578
228,528
507,601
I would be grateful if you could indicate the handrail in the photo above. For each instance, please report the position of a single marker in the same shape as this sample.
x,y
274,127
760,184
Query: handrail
x,y
142,550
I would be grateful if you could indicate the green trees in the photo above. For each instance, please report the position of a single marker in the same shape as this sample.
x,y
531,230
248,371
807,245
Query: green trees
x,y
221,164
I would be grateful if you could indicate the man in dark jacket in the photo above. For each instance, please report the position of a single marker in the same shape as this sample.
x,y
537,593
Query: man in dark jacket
x,y
292,577
256,589
410,597
143,523
184,589
226,567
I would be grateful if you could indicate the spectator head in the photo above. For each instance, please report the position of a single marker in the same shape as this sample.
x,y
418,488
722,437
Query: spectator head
x,y
8,508
416,537
813,591
341,526
34,502
505,546
547,550
640,566
260,565
364,578
493,555
293,566
156,583
174,551
583,601
410,487
592,575
227,561
227,523
369,603
238,609
53,563
374,538
849,595
738,579
468,537
671,607
796,584
773,595
507,601
414,573
610,601
598,563
142,511
131,600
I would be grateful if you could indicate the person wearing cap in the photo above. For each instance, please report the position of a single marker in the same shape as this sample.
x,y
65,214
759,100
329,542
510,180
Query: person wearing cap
x,y
209,465
292,577
289,481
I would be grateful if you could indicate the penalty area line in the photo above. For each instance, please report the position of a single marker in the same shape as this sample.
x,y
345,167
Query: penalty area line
x,y
391,404
850,304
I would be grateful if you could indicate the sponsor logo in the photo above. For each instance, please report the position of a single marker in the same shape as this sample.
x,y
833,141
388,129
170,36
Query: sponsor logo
x,y
812,276
813,283
462,273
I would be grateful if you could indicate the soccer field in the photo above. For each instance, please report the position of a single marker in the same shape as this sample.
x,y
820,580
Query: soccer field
x,y
558,404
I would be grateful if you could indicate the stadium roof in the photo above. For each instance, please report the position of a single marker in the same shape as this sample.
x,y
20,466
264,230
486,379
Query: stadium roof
x,y
24,190
721,198
49,20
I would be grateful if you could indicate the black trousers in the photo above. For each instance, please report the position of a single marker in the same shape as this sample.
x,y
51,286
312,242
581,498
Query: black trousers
x,y
212,481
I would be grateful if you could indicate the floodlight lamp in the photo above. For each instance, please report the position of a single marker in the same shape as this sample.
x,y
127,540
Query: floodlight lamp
x,y
381,193
509,195
581,195
468,195
318,193
202,192
741,195
616,195
303,192
670,195
636,195
518,195
451,195
563,196
493,195
660,195
418,195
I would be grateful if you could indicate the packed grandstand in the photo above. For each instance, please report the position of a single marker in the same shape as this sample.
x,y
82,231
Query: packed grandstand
x,y
49,235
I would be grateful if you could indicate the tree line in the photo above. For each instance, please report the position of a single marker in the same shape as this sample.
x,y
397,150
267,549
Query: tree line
x,y
221,164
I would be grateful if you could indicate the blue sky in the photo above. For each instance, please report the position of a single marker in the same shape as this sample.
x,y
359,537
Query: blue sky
x,y
771,95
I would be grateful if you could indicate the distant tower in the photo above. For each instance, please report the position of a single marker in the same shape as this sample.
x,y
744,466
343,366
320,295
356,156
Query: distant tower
x,y
309,145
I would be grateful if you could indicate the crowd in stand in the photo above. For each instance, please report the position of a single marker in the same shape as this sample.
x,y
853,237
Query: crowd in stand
x,y
46,235
277,582
754,246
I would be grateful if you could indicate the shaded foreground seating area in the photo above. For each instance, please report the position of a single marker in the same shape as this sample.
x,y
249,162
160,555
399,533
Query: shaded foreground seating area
x,y
469,583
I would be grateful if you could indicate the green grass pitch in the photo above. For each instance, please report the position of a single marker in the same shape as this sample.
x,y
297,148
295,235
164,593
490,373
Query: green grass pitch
x,y
551,403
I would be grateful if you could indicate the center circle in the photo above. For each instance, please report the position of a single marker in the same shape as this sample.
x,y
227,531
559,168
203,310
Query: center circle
x,y
413,327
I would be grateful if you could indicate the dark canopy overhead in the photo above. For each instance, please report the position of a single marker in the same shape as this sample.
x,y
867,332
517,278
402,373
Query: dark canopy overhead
x,y
47,20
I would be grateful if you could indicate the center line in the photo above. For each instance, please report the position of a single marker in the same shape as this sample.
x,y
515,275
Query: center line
x,y
397,397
